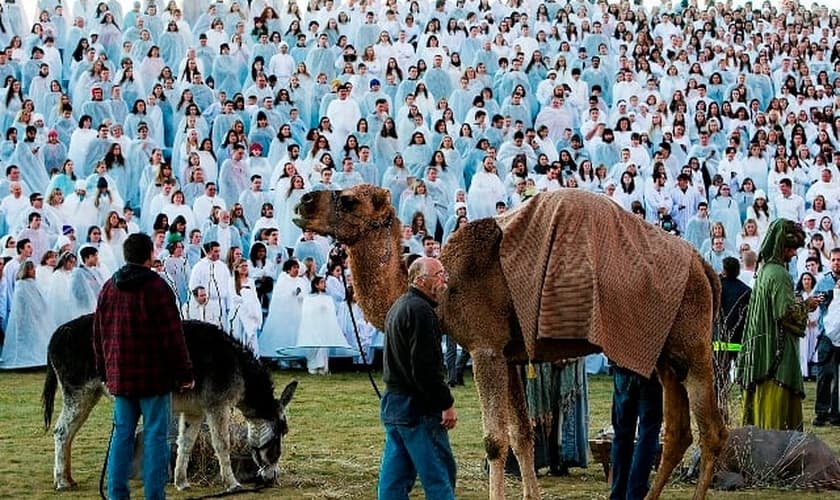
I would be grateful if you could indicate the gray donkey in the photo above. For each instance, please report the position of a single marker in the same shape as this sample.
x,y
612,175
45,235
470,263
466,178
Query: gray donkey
x,y
226,375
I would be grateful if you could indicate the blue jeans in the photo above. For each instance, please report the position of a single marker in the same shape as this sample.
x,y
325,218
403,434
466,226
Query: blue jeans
x,y
156,411
414,444
634,398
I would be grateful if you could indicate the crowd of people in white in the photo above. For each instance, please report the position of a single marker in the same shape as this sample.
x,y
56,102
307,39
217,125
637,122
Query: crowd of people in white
x,y
203,123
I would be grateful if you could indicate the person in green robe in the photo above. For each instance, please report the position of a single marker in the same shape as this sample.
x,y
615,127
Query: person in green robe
x,y
768,366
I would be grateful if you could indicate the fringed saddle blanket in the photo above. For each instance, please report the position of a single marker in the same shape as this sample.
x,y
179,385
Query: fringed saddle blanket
x,y
580,267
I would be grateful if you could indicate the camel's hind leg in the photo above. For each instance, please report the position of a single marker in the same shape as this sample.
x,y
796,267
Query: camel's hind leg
x,y
490,371
689,347
521,434
75,410
713,432
677,427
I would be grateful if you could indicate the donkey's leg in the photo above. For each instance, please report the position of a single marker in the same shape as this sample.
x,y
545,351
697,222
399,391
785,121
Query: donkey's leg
x,y
522,434
189,425
75,410
219,421
491,375
677,427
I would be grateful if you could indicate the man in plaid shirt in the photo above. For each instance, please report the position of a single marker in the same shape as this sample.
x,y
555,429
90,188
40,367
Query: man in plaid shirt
x,y
142,356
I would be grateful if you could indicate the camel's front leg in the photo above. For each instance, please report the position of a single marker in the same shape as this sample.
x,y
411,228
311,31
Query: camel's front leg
x,y
219,421
677,422
522,434
491,373
189,426
75,410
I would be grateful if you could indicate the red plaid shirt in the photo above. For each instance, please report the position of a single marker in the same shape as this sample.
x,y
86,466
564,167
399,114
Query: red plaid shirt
x,y
137,335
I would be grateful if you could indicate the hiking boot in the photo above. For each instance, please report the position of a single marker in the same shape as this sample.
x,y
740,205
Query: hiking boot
x,y
820,421
558,470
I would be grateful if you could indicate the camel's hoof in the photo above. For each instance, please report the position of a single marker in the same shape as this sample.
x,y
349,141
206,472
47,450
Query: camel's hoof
x,y
66,486
182,485
233,487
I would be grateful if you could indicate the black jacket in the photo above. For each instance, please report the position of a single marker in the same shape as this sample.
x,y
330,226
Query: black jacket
x,y
413,361
734,300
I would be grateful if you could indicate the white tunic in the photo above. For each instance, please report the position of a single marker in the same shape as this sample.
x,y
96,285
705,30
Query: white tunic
x,y
215,278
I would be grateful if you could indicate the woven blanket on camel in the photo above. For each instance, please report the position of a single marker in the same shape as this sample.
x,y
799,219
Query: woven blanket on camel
x,y
580,267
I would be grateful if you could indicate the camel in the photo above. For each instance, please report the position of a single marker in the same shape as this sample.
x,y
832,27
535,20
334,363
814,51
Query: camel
x,y
478,311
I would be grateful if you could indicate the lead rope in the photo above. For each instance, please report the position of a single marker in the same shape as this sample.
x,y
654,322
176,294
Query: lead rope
x,y
358,337
239,491
105,464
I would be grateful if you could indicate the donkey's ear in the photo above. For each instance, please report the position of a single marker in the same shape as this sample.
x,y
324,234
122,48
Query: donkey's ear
x,y
288,392
380,198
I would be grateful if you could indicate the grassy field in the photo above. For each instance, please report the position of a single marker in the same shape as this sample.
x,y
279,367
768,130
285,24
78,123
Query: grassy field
x,y
332,450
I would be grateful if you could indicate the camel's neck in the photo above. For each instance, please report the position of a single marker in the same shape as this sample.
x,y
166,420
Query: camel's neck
x,y
379,276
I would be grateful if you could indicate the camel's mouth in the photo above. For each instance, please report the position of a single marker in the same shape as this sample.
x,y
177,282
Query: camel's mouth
x,y
304,222
300,219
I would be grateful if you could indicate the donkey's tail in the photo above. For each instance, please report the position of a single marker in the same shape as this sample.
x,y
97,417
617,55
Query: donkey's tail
x,y
48,395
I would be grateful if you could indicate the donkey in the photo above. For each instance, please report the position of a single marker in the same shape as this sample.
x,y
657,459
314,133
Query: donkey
x,y
226,375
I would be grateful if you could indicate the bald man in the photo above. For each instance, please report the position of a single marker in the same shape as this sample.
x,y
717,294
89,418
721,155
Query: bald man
x,y
417,408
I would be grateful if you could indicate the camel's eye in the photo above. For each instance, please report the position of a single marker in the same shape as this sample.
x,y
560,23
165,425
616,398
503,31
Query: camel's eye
x,y
347,202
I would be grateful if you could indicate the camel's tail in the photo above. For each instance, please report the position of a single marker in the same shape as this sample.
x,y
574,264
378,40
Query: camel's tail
x,y
48,395
714,281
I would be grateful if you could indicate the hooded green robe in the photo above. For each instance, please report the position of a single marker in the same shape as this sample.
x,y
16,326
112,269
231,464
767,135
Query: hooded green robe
x,y
769,359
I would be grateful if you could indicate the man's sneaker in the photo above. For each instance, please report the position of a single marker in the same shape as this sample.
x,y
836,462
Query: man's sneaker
x,y
820,421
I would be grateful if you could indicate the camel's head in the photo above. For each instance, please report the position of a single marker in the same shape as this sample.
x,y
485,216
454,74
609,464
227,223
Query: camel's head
x,y
346,215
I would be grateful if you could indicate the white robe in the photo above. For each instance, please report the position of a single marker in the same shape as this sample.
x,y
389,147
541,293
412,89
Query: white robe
x,y
319,335
57,297
80,142
485,190
85,284
343,116
171,211
203,206
43,276
367,332
246,317
28,332
281,325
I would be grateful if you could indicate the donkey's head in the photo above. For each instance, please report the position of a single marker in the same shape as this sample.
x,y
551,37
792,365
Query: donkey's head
x,y
265,437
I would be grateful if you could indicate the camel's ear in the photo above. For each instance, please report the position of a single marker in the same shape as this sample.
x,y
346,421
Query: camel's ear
x,y
381,198
288,392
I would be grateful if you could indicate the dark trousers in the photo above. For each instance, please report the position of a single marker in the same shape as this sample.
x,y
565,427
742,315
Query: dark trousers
x,y
635,398
828,359
455,365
